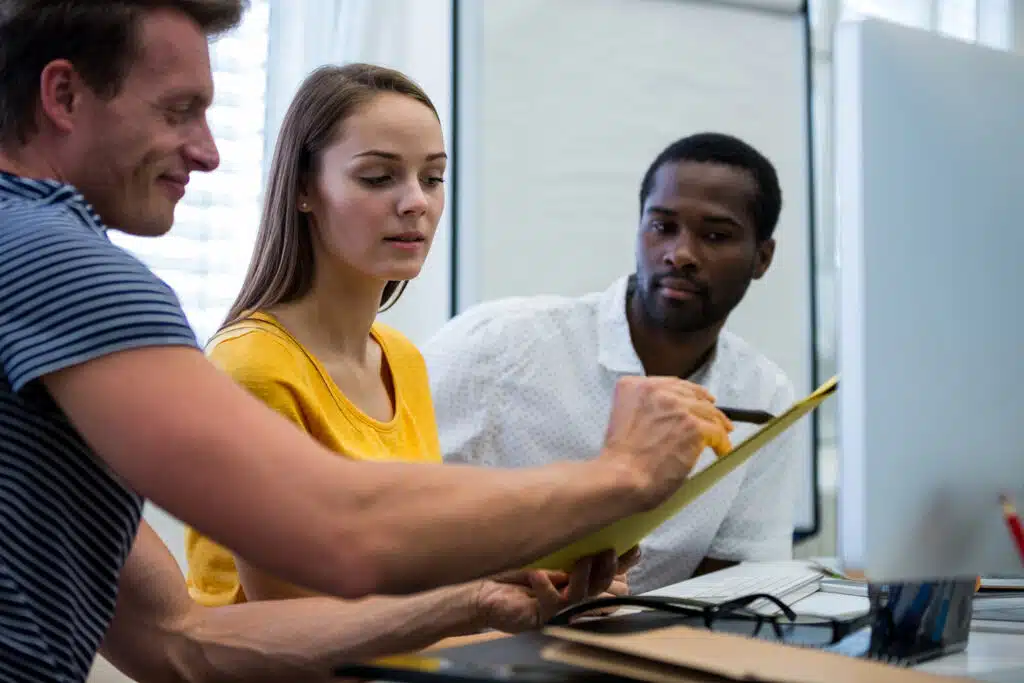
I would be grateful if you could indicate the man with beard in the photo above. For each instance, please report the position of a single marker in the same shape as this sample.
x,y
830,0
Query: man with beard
x,y
526,381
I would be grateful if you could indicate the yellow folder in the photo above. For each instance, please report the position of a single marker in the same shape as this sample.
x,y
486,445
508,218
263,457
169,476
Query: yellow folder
x,y
628,532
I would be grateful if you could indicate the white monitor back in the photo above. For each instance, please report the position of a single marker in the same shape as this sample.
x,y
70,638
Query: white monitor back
x,y
930,147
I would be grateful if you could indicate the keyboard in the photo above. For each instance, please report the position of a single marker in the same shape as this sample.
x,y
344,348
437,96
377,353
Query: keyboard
x,y
787,581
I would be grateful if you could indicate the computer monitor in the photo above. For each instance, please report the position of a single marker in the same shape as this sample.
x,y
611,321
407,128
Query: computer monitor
x,y
930,165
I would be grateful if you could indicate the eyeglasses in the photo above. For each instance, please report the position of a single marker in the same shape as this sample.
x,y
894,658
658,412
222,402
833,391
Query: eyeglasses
x,y
738,616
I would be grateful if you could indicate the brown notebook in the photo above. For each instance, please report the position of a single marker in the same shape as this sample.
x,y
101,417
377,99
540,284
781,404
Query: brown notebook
x,y
679,654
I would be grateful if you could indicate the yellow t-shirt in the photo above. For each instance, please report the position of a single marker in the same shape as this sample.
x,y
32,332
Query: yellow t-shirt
x,y
260,354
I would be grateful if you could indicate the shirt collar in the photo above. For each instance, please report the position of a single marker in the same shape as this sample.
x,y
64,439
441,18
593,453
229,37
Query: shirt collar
x,y
614,344
615,349
51,192
30,188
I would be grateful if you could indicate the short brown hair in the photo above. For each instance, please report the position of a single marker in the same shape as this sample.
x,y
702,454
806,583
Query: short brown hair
x,y
282,265
99,37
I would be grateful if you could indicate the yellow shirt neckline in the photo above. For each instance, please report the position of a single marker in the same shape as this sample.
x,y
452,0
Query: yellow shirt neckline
x,y
342,401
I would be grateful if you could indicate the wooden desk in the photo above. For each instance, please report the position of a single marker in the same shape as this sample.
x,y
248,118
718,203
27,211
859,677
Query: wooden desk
x,y
459,641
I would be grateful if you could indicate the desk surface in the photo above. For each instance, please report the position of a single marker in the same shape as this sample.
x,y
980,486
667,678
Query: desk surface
x,y
995,657
989,657
459,641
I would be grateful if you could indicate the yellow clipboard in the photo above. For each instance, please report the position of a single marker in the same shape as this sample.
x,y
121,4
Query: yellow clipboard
x,y
628,532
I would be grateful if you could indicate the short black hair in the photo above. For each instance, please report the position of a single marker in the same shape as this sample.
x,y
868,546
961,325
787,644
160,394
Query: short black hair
x,y
100,37
719,148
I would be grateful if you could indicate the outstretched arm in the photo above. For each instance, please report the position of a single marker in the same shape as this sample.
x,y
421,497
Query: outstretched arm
x,y
185,436
159,634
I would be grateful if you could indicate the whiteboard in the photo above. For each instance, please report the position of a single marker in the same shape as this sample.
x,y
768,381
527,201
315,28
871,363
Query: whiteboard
x,y
561,106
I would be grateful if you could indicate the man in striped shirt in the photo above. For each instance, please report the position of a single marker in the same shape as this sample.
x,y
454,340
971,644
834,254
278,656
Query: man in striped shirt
x,y
106,399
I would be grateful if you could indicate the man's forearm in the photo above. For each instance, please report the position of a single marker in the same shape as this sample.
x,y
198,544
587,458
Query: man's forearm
x,y
482,520
159,635
302,639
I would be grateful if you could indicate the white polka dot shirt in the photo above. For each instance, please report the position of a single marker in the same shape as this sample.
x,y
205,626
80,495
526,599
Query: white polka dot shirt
x,y
528,381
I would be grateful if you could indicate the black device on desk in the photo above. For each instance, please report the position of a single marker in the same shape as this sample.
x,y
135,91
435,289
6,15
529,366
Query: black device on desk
x,y
913,622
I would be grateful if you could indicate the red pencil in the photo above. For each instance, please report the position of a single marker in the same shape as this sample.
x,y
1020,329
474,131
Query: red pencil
x,y
1013,521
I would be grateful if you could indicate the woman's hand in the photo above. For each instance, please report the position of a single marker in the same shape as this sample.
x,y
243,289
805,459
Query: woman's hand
x,y
524,600
620,583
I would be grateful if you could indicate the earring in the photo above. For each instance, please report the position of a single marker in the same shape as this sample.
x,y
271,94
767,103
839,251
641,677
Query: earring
x,y
303,206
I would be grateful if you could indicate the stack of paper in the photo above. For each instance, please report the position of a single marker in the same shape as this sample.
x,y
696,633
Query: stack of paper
x,y
1002,583
999,610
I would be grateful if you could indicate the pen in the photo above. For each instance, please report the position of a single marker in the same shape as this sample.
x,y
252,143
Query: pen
x,y
756,417
1013,522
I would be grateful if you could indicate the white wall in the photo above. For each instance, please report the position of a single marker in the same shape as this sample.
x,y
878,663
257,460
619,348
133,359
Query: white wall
x,y
562,105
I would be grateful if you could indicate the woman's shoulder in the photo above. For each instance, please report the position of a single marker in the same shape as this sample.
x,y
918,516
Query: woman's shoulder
x,y
395,342
255,346
402,355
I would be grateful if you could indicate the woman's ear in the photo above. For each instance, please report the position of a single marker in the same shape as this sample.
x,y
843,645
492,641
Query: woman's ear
x,y
304,198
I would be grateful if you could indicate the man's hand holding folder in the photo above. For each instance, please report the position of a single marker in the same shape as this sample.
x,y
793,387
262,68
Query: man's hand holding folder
x,y
705,423
649,414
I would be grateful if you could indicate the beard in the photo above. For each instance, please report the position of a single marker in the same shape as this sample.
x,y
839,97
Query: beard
x,y
706,309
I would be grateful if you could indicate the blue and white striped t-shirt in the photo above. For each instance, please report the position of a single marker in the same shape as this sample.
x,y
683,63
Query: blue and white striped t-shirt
x,y
67,296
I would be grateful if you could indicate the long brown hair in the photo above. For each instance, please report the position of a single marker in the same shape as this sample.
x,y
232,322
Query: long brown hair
x,y
282,265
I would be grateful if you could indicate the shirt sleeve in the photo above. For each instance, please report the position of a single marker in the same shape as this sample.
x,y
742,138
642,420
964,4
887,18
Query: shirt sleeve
x,y
759,525
460,369
260,366
68,295
263,370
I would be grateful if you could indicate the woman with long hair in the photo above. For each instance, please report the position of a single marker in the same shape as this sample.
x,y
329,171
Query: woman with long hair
x,y
353,200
